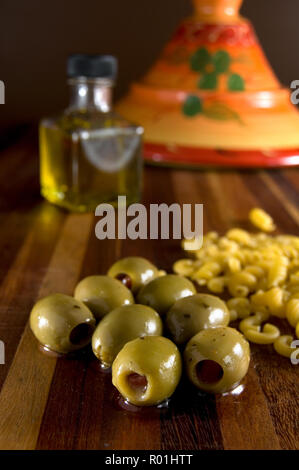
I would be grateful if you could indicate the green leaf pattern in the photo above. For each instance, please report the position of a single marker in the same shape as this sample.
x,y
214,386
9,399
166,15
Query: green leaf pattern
x,y
210,67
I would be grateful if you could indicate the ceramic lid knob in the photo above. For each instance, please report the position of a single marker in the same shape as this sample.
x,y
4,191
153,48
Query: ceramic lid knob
x,y
217,11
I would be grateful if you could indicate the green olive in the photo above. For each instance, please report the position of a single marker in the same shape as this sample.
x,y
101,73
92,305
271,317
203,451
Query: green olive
x,y
192,314
102,294
121,326
147,370
217,359
134,272
62,323
163,292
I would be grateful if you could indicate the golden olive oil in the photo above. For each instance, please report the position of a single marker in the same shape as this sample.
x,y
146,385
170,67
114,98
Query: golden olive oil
x,y
89,155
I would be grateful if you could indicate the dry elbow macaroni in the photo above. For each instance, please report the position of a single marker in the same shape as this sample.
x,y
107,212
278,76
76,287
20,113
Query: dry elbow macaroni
x,y
259,271
261,220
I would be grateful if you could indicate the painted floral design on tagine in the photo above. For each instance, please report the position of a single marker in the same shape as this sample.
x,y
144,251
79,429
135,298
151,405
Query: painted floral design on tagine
x,y
213,88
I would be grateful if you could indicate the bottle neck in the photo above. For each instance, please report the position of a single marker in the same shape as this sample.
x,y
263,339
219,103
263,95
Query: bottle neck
x,y
90,93
217,11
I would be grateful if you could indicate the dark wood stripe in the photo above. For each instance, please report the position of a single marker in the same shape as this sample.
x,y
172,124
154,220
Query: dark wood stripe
x,y
31,372
18,291
200,428
279,381
292,176
242,416
277,376
285,193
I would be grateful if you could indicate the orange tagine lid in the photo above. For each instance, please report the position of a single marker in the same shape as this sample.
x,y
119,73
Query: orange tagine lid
x,y
212,98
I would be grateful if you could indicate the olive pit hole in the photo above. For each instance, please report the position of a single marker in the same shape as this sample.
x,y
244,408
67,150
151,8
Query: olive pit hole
x,y
138,383
125,279
209,372
81,333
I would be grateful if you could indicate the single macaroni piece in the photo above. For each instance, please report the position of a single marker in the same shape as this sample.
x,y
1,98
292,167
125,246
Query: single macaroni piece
x,y
260,219
206,272
240,236
253,322
267,335
233,315
217,284
184,267
278,272
240,306
255,270
240,284
273,299
292,312
234,264
282,345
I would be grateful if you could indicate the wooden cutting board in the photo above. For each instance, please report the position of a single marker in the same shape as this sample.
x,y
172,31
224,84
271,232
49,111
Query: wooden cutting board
x,y
69,403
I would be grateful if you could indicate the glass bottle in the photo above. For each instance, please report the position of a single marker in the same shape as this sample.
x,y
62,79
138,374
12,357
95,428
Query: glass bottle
x,y
88,154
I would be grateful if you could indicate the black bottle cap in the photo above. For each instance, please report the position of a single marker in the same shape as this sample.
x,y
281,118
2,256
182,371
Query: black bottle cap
x,y
92,66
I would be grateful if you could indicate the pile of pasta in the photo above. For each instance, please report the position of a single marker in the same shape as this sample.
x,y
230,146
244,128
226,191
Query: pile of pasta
x,y
257,273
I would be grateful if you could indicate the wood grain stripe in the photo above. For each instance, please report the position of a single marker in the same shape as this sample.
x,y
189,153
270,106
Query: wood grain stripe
x,y
243,416
236,415
19,290
200,428
269,201
25,391
81,377
281,195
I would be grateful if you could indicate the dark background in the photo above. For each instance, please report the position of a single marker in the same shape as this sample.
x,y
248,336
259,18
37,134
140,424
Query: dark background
x,y
37,35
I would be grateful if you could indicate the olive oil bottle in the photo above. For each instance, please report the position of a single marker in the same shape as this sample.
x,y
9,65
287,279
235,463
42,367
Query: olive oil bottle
x,y
88,154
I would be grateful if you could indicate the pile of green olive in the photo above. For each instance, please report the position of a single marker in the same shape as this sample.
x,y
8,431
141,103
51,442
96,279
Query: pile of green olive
x,y
128,336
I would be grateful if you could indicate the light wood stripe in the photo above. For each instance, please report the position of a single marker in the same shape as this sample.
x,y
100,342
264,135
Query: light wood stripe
x,y
24,394
279,194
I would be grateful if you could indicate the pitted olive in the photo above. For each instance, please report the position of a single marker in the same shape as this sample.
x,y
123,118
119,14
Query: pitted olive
x,y
121,326
192,314
134,272
147,370
62,323
163,292
102,294
217,359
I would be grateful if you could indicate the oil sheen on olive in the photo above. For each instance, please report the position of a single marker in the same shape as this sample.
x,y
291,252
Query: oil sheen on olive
x,y
192,314
122,325
62,323
217,359
102,294
139,271
147,370
163,292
